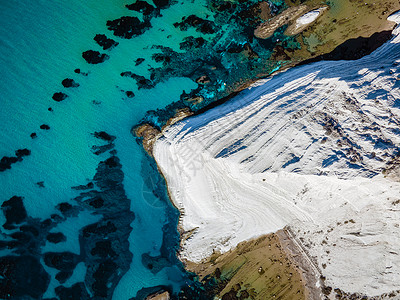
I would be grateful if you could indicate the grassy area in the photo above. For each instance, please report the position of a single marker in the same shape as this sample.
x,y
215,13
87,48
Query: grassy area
x,y
256,269
343,20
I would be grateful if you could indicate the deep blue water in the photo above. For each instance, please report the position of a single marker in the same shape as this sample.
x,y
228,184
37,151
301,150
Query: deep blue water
x,y
83,204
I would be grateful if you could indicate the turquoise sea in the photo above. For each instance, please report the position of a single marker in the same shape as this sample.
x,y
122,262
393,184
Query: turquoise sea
x,y
83,204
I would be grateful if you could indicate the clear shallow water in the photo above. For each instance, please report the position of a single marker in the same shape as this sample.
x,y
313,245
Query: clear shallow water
x,y
42,43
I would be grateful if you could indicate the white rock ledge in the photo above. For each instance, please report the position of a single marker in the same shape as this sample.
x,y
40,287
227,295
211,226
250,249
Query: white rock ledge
x,y
308,18
307,149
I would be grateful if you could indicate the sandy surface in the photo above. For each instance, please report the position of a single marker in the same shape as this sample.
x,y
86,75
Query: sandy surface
x,y
306,148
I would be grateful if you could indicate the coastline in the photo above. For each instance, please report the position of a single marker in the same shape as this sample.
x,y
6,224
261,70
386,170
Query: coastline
x,y
178,204
313,280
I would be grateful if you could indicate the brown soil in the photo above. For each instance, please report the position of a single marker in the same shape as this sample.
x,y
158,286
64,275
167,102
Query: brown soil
x,y
255,269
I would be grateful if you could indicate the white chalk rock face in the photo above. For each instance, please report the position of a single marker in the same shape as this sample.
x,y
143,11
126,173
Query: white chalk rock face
x,y
308,17
395,17
305,148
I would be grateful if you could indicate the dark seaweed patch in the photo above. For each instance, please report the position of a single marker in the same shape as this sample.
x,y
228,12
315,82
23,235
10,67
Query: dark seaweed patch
x,y
104,42
7,161
141,81
59,96
22,277
141,6
129,94
94,57
56,238
201,25
139,61
68,83
14,211
128,27
192,42
104,136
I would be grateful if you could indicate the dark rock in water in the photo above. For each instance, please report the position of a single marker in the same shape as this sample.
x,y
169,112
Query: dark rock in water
x,y
224,6
104,244
104,273
23,277
90,185
22,152
112,162
44,127
50,109
56,218
154,264
77,71
14,211
141,81
68,82
162,4
139,61
29,228
160,57
33,135
130,94
141,6
67,209
77,291
94,57
128,27
64,207
6,162
104,136
191,42
63,261
97,202
97,150
201,25
105,42
59,96
45,224
103,249
40,184
63,276
99,229
56,238
21,237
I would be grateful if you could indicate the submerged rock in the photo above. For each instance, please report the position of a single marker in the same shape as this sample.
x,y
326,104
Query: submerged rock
x,y
201,25
141,6
162,4
7,161
139,61
68,82
59,96
129,94
56,238
128,27
104,136
141,81
77,291
14,211
94,57
23,277
105,42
